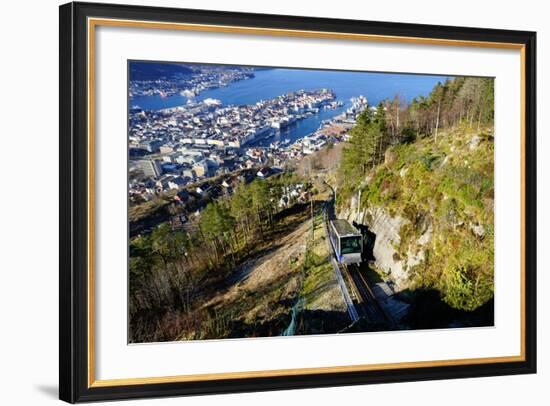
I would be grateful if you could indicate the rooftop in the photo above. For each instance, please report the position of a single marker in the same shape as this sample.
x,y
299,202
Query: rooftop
x,y
344,228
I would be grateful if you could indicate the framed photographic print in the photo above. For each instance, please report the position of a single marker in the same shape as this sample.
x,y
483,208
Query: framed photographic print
x,y
257,202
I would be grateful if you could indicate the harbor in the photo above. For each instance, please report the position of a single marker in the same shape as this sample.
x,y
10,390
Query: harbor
x,y
192,126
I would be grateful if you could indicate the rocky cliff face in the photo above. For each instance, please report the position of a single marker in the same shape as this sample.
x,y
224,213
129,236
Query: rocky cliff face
x,y
387,230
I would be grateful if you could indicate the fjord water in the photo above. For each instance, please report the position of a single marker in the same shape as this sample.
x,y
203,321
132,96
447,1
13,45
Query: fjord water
x,y
271,83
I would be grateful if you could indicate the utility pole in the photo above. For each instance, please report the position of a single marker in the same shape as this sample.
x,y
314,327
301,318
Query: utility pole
x,y
358,206
312,219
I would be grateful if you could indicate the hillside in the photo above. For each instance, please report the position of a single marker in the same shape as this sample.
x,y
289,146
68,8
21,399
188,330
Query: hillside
x,y
430,204
154,70
292,280
246,267
425,189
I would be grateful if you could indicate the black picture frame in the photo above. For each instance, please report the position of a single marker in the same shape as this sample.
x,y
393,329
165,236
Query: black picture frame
x,y
74,199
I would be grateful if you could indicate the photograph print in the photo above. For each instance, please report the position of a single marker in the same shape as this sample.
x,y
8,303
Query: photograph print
x,y
269,201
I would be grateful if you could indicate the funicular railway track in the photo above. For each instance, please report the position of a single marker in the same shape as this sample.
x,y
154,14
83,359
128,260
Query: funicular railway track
x,y
367,305
357,292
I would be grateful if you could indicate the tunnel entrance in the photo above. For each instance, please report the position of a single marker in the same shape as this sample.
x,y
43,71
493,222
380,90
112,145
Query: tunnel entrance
x,y
369,238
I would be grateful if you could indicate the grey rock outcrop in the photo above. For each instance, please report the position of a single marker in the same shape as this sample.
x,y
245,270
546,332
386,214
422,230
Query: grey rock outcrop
x,y
387,229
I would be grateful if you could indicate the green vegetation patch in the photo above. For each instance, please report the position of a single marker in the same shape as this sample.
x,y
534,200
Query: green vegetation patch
x,y
318,273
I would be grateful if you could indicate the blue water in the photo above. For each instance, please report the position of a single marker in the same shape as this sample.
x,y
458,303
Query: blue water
x,y
271,83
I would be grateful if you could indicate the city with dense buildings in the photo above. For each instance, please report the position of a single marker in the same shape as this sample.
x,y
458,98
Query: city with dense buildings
x,y
167,80
174,147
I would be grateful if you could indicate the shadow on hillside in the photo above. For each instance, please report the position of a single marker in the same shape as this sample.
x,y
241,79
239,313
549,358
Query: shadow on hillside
x,y
309,322
429,311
